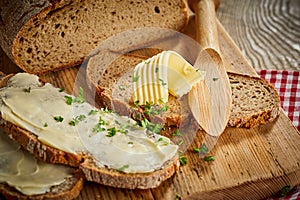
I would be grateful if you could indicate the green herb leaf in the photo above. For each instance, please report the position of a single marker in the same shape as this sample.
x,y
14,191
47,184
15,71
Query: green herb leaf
x,y
178,197
77,119
156,69
183,160
203,149
45,124
106,110
111,132
137,103
98,128
164,140
162,82
27,90
69,100
215,79
80,99
180,142
121,169
156,128
285,190
135,78
61,89
209,158
58,118
177,133
93,112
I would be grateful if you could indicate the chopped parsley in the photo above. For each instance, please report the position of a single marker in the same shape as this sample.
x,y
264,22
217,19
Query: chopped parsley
x,y
178,197
209,158
98,126
121,169
106,110
285,190
164,140
177,133
146,61
215,79
135,78
137,103
154,109
183,160
203,149
93,112
79,99
58,118
61,89
77,119
162,82
69,100
180,142
156,69
111,132
156,128
45,124
27,90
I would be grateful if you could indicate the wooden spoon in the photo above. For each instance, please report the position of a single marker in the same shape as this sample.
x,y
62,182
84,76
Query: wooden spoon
x,y
210,100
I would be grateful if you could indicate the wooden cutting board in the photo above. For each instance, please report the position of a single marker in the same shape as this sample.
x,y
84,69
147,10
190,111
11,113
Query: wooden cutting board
x,y
249,163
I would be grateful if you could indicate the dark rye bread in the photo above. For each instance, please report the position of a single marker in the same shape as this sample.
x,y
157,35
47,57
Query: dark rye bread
x,y
45,35
70,189
85,162
255,101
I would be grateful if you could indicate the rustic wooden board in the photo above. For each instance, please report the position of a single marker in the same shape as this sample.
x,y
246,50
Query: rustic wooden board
x,y
250,163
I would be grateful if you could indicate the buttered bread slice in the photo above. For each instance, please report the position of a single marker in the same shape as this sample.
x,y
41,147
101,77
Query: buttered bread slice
x,y
22,176
62,128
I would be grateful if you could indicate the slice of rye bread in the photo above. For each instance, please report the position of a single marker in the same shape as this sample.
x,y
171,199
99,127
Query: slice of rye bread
x,y
255,101
85,162
53,34
69,189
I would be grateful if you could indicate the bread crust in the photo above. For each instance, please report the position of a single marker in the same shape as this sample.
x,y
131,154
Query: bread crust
x,y
118,179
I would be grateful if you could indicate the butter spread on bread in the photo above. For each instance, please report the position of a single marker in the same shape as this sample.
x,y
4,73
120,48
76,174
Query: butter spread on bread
x,y
61,121
21,170
164,73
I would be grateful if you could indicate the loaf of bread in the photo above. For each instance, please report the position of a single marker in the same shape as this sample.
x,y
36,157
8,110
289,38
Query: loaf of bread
x,y
83,158
255,101
44,35
68,189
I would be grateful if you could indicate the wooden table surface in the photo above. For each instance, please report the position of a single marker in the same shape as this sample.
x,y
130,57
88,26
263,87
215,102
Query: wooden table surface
x,y
266,31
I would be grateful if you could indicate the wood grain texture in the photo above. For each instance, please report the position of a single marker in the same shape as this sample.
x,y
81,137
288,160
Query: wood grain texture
x,y
267,31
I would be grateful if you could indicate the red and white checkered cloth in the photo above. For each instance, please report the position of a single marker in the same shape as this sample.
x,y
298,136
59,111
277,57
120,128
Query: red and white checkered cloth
x,y
287,83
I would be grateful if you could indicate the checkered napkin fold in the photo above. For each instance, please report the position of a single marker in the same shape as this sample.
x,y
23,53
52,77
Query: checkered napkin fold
x,y
287,83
